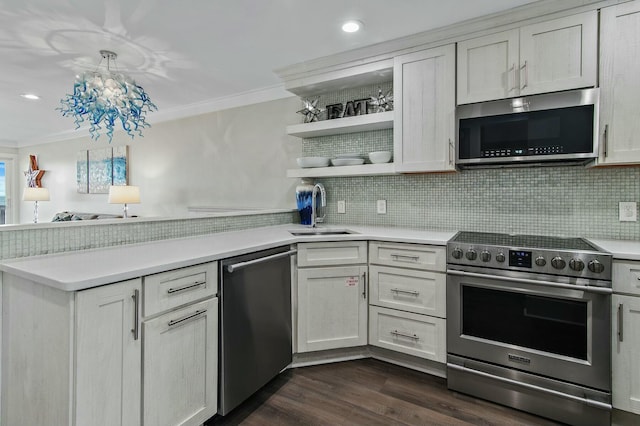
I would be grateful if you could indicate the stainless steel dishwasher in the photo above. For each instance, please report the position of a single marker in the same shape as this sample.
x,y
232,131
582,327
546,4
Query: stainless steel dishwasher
x,y
255,322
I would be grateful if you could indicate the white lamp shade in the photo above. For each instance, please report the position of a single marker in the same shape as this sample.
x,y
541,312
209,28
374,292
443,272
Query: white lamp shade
x,y
124,194
35,194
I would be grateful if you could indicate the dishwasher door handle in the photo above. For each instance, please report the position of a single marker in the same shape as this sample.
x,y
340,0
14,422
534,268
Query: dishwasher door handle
x,y
240,265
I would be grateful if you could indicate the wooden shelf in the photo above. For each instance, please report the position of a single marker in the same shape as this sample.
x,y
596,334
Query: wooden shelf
x,y
362,170
358,123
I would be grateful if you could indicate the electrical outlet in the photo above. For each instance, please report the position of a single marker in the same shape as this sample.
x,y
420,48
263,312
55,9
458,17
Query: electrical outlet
x,y
628,211
342,207
382,206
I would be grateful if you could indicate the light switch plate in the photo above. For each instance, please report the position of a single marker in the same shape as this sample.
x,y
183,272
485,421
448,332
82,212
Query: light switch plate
x,y
342,207
382,206
628,211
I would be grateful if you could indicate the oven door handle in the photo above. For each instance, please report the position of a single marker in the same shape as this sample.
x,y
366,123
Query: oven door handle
x,y
591,289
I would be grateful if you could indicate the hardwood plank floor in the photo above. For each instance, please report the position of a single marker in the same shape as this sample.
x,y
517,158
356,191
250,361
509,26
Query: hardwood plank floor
x,y
367,392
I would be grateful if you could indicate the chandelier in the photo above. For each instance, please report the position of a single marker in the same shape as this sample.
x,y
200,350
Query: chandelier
x,y
103,97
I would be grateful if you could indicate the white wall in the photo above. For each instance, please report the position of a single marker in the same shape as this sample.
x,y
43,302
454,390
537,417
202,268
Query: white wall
x,y
231,158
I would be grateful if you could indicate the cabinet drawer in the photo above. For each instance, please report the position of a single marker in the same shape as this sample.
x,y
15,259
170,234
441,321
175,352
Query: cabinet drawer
x,y
413,334
626,277
171,289
416,256
422,292
332,253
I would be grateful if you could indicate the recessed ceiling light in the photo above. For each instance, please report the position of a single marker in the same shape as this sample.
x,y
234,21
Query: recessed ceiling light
x,y
351,26
30,96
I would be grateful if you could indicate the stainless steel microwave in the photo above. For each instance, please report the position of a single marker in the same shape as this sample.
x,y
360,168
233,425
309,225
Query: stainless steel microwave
x,y
554,128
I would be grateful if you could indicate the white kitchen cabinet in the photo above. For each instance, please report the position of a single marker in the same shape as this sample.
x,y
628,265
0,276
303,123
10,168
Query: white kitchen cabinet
x,y
332,307
71,358
625,349
625,336
181,365
550,56
619,89
424,129
332,253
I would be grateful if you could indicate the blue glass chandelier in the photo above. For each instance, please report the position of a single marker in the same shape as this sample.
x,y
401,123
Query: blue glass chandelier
x,y
103,98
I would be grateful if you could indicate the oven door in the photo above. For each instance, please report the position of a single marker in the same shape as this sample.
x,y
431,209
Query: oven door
x,y
530,323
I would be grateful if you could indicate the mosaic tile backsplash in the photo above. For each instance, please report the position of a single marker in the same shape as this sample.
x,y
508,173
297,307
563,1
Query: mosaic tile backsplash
x,y
53,239
567,200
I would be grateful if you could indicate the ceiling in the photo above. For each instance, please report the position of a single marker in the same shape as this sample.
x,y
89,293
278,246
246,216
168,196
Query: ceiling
x,y
185,53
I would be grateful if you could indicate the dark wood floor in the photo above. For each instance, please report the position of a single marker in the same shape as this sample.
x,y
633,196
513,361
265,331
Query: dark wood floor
x,y
367,392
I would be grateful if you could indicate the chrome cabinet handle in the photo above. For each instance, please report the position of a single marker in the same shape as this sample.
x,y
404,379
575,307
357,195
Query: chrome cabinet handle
x,y
240,265
411,292
187,318
186,287
364,286
512,71
605,142
620,323
451,152
136,312
526,75
407,335
399,257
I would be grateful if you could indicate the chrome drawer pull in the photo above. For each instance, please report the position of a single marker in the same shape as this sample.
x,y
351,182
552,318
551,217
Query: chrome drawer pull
x,y
399,257
136,314
401,334
186,287
411,292
187,318
620,323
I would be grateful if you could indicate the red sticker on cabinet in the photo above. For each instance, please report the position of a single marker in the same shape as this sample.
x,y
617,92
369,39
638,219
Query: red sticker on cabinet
x,y
352,281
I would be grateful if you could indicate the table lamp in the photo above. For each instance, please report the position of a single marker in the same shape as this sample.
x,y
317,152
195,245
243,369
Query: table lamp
x,y
124,194
35,194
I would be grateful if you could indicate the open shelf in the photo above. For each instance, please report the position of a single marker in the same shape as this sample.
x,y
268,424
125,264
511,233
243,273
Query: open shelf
x,y
358,123
362,170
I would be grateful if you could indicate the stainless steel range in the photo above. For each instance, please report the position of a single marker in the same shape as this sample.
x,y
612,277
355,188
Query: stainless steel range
x,y
528,324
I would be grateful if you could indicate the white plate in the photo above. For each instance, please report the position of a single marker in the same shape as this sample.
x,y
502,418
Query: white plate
x,y
350,155
347,161
306,162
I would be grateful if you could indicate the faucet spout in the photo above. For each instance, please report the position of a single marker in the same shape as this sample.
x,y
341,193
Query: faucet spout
x,y
315,219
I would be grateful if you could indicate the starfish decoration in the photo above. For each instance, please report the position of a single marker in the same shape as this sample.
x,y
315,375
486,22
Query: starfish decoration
x,y
310,110
34,175
382,103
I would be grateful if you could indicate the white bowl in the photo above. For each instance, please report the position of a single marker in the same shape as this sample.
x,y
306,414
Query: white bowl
x,y
349,155
380,157
347,161
306,162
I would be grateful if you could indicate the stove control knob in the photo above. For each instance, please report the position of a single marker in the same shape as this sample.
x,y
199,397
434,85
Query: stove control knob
x,y
576,264
558,262
500,257
540,261
471,254
485,256
456,253
596,266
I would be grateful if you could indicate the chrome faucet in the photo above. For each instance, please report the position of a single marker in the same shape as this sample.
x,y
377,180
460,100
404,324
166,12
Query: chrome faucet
x,y
318,187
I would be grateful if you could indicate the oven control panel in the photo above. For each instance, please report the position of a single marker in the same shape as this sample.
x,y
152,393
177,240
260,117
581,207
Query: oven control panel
x,y
581,264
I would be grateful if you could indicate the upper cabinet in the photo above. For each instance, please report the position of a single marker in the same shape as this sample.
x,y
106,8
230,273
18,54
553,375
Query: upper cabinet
x,y
619,89
424,127
544,57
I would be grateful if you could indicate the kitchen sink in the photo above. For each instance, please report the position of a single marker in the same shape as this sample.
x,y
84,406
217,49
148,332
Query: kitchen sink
x,y
320,231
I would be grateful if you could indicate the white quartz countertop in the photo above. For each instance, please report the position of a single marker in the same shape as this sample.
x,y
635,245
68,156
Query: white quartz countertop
x,y
620,249
90,268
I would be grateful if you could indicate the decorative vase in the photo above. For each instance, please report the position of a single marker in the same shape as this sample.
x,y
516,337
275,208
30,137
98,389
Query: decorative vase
x,y
304,198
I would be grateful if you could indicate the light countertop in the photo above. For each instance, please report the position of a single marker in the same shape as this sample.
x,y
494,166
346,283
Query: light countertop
x,y
620,249
90,268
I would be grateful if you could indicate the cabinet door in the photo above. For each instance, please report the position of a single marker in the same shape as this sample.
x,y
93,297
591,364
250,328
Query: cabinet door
x,y
559,55
488,67
181,366
424,90
625,349
332,308
108,355
619,90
